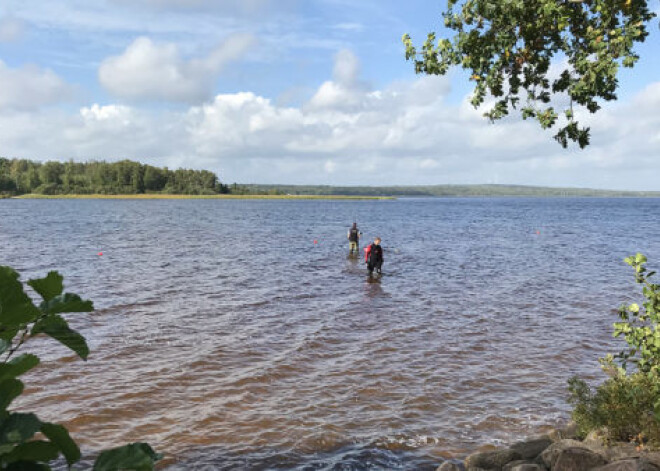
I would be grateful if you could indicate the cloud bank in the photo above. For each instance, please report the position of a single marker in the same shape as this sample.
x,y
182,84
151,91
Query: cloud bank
x,y
345,133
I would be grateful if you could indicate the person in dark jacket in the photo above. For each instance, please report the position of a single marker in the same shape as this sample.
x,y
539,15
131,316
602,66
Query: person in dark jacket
x,y
354,235
374,256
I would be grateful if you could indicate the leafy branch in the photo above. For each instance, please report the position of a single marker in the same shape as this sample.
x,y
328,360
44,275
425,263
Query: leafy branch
x,y
20,320
509,47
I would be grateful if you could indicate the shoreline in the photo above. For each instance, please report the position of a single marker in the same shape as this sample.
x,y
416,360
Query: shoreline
x,y
560,450
156,196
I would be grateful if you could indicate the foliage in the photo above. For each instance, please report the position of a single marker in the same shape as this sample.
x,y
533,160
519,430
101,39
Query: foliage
x,y
434,190
627,404
26,442
512,47
20,176
639,325
623,406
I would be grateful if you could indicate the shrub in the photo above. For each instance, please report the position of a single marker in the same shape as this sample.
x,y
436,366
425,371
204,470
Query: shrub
x,y
627,405
20,320
622,406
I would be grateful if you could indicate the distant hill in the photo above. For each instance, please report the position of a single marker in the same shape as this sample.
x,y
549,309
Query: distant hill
x,y
126,177
444,191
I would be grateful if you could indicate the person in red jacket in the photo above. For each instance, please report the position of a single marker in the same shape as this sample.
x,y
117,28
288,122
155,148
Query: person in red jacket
x,y
373,256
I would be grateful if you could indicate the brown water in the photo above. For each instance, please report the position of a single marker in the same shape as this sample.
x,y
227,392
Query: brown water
x,y
227,339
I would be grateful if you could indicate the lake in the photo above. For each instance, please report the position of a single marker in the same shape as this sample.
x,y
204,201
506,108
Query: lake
x,y
236,334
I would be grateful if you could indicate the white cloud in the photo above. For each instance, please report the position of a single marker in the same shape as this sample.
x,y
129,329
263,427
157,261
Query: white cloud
x,y
11,29
401,134
30,87
345,90
150,71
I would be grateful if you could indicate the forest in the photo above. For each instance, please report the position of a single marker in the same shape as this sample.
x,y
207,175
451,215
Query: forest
x,y
21,176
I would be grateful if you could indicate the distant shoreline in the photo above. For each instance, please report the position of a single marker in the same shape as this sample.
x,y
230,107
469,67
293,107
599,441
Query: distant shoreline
x,y
156,196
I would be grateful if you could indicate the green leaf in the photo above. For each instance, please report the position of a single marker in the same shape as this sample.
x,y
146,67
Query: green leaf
x,y
18,427
18,366
16,307
48,287
135,456
10,389
38,450
59,435
27,466
56,327
67,302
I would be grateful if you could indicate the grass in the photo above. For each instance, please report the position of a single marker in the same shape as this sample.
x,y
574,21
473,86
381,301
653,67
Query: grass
x,y
159,196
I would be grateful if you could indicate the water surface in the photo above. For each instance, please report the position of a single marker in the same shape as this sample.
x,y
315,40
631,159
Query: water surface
x,y
228,339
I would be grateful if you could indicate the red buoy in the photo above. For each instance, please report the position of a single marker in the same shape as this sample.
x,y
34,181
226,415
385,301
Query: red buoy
x,y
100,254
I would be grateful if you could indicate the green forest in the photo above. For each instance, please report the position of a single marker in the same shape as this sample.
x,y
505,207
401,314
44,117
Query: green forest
x,y
21,176
126,177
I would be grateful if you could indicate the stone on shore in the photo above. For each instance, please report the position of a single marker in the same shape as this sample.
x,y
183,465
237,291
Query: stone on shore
x,y
570,431
550,455
491,460
528,467
629,465
573,459
447,466
532,448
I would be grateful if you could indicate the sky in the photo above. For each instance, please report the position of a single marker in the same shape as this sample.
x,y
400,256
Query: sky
x,y
291,92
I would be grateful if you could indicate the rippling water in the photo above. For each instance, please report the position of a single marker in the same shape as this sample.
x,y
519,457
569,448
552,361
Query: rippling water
x,y
228,339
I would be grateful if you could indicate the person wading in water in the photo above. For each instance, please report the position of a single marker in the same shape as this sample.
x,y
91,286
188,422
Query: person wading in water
x,y
374,256
354,235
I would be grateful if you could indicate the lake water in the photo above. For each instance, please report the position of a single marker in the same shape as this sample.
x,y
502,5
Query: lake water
x,y
228,339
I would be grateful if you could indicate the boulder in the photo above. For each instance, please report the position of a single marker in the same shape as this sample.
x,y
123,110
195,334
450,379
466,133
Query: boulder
x,y
510,466
622,451
628,465
574,459
550,454
522,465
447,466
570,431
530,449
528,467
652,457
491,460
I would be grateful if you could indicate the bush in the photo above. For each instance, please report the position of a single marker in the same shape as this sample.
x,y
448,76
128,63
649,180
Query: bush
x,y
20,320
623,407
627,405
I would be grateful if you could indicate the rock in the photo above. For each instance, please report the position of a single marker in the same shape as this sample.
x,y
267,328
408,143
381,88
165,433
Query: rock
x,y
491,460
574,459
509,466
528,467
447,466
550,454
652,457
532,448
596,438
628,465
570,431
522,465
622,451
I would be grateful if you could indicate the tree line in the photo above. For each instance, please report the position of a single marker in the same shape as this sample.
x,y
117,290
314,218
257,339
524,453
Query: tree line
x,y
22,176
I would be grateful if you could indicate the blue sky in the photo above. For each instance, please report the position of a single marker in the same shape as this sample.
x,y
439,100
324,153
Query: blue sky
x,y
287,91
